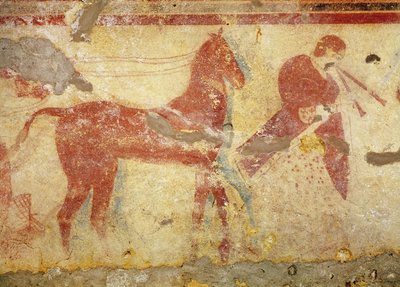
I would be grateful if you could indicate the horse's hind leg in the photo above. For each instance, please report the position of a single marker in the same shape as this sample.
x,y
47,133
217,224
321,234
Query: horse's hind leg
x,y
200,197
206,184
102,191
76,196
221,199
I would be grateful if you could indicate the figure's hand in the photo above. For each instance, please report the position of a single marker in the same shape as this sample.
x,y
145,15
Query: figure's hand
x,y
339,144
331,108
324,111
228,134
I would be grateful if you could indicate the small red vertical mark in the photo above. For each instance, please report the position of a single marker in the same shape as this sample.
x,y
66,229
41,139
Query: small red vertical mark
x,y
24,88
258,35
398,93
360,109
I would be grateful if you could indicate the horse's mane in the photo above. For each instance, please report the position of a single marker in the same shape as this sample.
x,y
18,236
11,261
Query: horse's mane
x,y
205,56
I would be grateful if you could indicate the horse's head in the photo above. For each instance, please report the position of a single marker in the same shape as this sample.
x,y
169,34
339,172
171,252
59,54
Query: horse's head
x,y
216,60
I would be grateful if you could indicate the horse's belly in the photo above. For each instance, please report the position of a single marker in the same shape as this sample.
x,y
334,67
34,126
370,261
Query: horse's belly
x,y
92,139
85,137
148,145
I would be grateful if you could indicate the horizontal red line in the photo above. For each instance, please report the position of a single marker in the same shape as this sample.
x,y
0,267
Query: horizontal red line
x,y
217,19
32,20
248,19
233,1
42,1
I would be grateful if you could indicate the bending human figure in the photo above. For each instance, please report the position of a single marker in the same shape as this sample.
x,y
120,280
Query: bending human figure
x,y
305,86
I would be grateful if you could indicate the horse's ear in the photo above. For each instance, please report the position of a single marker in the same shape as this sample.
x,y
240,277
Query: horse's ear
x,y
219,34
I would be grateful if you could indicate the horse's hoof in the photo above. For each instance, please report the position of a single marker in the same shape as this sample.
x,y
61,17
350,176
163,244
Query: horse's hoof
x,y
224,250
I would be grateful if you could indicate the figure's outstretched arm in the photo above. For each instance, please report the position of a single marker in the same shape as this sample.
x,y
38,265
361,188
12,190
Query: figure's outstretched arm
x,y
160,125
266,145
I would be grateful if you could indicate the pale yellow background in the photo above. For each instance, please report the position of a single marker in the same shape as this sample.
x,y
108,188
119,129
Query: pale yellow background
x,y
308,223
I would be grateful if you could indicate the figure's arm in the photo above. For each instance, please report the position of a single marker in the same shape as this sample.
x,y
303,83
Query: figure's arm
x,y
194,136
160,125
266,145
275,135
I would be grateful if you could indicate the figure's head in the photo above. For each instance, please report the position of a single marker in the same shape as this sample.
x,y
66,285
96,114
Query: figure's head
x,y
331,49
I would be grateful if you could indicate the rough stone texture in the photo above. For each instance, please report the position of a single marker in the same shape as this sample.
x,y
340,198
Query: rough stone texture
x,y
377,271
200,150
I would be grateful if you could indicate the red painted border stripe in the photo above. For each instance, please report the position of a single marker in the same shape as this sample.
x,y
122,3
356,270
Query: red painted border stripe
x,y
322,18
32,20
248,19
216,19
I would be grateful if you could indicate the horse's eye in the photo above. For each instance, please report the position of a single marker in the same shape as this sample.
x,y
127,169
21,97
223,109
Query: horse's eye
x,y
228,57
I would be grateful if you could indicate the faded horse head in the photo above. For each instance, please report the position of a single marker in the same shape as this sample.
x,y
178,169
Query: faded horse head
x,y
216,60
91,137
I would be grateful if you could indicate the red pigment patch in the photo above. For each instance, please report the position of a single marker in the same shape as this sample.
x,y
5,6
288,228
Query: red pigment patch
x,y
24,88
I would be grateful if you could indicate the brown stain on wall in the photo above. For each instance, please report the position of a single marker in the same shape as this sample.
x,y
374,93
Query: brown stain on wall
x,y
382,158
85,20
378,271
189,136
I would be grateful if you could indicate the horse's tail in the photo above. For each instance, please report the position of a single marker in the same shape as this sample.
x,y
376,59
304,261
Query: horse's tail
x,y
23,134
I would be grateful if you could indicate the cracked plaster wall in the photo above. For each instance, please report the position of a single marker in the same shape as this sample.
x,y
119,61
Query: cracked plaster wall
x,y
149,222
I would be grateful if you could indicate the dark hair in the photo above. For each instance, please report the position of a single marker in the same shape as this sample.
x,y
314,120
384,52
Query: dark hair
x,y
372,58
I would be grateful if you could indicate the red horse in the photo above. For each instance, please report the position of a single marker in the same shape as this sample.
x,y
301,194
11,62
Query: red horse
x,y
91,137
